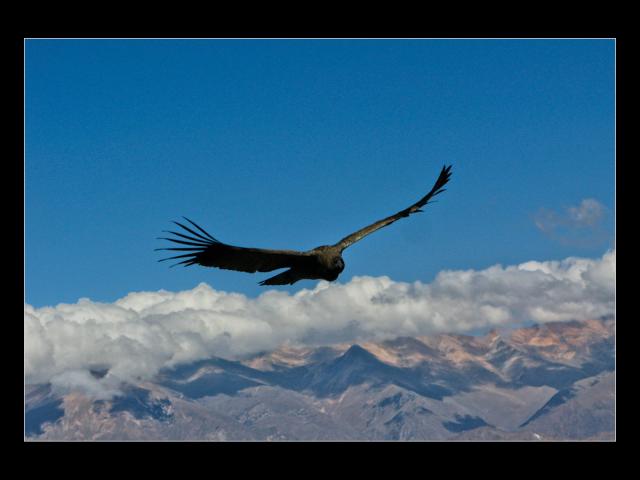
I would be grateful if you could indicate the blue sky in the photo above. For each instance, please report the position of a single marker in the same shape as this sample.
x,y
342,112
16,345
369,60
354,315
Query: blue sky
x,y
296,143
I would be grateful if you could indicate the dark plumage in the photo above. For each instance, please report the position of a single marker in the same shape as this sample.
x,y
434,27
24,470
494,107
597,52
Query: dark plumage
x,y
324,262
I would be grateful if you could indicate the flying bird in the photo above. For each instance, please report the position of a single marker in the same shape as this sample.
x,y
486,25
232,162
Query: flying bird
x,y
324,262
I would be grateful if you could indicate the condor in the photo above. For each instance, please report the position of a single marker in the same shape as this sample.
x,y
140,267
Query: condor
x,y
324,262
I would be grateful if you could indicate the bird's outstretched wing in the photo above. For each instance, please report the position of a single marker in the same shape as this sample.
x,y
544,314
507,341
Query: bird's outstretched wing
x,y
416,207
205,250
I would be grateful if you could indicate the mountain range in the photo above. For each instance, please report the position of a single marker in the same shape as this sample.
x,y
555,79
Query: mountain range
x,y
553,381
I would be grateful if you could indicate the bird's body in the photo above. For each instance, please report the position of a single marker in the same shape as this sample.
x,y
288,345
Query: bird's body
x,y
321,263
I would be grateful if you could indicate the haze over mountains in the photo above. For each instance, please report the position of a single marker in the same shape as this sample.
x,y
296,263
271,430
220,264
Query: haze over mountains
x,y
553,381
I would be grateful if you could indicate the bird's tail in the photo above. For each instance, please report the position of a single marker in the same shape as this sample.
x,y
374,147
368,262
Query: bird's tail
x,y
287,277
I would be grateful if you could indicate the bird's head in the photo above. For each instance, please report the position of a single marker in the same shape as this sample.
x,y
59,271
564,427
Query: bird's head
x,y
338,264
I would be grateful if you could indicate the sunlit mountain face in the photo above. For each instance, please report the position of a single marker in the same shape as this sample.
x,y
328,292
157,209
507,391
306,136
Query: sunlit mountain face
x,y
554,381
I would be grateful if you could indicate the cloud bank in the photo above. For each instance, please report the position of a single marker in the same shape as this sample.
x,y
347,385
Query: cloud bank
x,y
143,332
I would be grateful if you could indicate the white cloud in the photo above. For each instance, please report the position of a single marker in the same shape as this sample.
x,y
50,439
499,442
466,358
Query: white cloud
x,y
576,225
588,213
145,331
82,380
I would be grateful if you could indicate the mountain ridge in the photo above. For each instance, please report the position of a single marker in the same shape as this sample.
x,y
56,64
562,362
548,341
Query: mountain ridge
x,y
544,382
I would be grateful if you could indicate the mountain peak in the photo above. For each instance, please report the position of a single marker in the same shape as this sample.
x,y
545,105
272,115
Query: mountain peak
x,y
356,349
358,352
